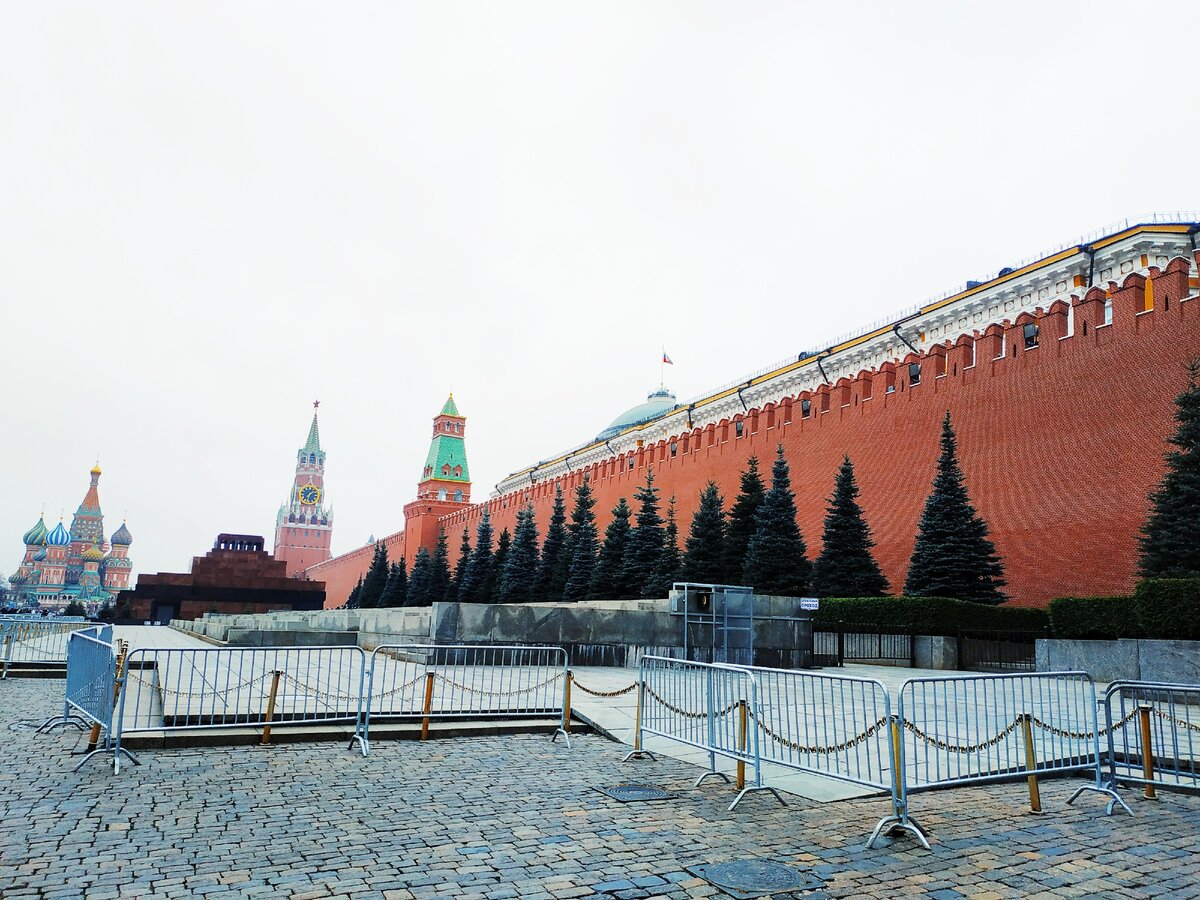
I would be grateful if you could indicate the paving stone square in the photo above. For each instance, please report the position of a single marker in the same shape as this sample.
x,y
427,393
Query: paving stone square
x,y
517,816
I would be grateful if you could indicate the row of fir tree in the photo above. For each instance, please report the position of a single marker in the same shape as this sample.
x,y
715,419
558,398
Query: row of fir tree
x,y
757,542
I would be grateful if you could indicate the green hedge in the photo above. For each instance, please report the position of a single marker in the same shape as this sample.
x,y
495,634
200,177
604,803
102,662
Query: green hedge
x,y
1168,608
926,615
1094,618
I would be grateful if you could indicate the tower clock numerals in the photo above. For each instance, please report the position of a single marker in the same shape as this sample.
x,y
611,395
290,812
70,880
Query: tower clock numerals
x,y
310,494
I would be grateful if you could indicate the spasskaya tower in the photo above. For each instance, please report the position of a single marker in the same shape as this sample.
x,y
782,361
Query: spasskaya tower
x,y
304,525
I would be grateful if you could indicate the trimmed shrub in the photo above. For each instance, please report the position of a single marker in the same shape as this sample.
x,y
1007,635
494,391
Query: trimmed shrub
x,y
1168,608
926,615
1094,618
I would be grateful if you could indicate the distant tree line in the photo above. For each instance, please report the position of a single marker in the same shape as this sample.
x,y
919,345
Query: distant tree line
x,y
757,542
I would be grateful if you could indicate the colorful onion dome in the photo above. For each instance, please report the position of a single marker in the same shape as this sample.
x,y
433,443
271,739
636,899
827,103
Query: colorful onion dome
x,y
96,469
93,553
122,536
39,556
36,534
59,537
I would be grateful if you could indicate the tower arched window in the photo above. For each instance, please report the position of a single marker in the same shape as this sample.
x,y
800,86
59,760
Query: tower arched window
x,y
458,496
446,469
458,471
441,493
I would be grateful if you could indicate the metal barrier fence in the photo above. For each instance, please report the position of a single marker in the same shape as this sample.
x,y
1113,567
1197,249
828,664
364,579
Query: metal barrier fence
x,y
1153,734
94,666
708,706
236,687
81,657
984,728
34,640
464,681
837,726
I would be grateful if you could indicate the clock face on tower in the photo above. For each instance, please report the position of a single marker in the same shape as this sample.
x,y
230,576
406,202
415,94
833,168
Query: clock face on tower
x,y
310,494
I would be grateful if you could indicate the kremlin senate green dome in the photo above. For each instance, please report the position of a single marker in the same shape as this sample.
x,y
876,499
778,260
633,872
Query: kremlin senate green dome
x,y
59,537
122,536
657,403
36,534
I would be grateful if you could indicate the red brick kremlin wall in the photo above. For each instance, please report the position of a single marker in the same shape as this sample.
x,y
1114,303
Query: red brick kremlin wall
x,y
1060,444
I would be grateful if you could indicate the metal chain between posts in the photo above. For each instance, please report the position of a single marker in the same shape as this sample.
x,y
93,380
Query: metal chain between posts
x,y
870,731
1082,735
339,695
201,693
687,714
617,693
513,693
962,748
1182,723
44,654
1010,728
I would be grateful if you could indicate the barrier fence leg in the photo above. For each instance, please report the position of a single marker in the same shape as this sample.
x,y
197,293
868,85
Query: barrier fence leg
x,y
7,656
743,747
1035,795
429,676
712,734
362,721
266,734
1099,787
1147,751
565,728
638,752
899,821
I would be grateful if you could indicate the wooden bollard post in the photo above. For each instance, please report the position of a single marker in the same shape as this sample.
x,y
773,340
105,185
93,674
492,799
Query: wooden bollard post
x,y
1147,751
266,735
742,742
567,705
1035,797
429,676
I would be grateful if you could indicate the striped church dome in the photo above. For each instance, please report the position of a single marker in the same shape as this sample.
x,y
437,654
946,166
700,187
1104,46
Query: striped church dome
x,y
36,534
59,537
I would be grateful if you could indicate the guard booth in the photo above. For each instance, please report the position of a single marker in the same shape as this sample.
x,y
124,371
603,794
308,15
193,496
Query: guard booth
x,y
728,623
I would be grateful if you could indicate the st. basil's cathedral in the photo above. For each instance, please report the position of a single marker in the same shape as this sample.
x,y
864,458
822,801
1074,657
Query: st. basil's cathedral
x,y
61,566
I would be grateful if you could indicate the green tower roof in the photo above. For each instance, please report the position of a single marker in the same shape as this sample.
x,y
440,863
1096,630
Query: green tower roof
x,y
446,450
314,438
450,409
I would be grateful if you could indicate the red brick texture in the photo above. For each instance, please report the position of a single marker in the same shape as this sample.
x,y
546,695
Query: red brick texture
x,y
1060,444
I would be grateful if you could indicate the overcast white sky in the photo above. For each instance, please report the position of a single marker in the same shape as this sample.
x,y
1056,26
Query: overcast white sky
x,y
212,214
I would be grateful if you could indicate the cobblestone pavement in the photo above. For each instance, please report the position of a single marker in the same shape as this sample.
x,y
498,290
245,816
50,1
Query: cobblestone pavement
x,y
516,817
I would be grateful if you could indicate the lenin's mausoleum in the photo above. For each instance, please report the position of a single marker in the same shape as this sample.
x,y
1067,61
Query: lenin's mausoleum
x,y
1059,374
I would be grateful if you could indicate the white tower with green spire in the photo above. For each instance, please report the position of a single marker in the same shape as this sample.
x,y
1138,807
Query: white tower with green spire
x,y
304,524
